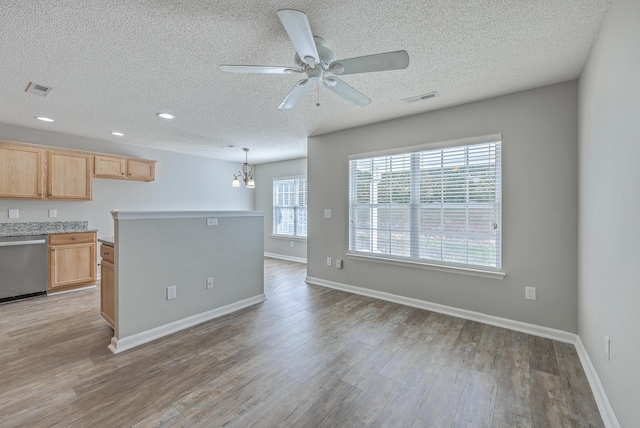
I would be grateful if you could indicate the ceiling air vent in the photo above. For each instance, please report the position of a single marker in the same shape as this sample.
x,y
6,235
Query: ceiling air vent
x,y
420,97
36,89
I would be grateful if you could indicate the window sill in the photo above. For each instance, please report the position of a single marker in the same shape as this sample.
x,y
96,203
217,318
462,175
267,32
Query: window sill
x,y
290,237
431,266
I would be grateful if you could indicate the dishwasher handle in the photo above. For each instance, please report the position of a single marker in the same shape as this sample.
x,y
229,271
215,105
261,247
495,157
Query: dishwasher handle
x,y
18,243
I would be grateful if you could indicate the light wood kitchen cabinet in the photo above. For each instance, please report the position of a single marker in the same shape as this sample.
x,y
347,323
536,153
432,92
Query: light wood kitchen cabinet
x,y
69,176
30,171
107,291
109,167
141,169
21,172
124,168
72,260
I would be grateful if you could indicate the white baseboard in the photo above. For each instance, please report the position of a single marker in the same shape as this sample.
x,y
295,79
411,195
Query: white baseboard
x,y
283,257
536,330
124,343
604,406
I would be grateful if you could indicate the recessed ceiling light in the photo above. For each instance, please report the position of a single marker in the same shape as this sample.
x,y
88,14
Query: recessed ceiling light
x,y
117,134
44,119
166,115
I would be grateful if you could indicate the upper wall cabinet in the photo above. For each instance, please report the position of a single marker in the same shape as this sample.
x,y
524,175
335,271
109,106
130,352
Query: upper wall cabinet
x,y
109,167
29,171
139,169
124,168
69,176
21,172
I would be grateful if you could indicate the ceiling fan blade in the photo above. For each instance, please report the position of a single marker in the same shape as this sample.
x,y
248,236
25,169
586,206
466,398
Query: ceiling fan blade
x,y
295,94
397,60
260,69
345,91
297,26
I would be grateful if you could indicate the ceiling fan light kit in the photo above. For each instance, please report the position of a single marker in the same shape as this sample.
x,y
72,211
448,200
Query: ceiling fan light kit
x,y
315,60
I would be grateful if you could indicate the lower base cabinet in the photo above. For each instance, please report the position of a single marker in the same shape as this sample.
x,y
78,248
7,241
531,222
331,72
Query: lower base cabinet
x,y
107,296
72,260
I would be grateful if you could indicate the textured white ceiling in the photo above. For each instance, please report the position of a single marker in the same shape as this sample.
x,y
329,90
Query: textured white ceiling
x,y
114,64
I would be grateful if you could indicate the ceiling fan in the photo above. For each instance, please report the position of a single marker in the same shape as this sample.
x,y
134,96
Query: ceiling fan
x,y
317,61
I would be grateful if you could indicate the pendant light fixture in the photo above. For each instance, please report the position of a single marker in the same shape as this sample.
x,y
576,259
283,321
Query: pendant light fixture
x,y
246,175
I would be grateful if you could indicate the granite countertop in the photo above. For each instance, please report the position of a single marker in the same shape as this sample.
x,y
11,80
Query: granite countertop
x,y
43,228
109,240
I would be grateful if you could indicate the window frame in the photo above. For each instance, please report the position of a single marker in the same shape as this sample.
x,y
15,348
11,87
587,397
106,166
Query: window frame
x,y
424,263
296,208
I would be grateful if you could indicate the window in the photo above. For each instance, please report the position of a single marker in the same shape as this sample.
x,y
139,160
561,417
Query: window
x,y
290,206
437,206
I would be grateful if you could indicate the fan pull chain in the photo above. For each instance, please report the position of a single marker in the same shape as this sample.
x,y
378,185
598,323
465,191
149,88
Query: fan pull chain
x,y
318,103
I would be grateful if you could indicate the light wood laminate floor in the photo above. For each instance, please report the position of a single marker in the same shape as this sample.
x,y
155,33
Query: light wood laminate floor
x,y
307,357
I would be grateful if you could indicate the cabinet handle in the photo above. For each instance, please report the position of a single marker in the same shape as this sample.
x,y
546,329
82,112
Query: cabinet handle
x,y
39,194
106,254
73,238
53,249
50,194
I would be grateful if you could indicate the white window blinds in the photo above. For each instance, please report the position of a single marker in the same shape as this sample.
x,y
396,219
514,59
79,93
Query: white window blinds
x,y
290,206
438,206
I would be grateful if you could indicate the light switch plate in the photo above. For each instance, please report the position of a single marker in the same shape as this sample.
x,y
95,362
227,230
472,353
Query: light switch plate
x,y
327,213
212,222
14,213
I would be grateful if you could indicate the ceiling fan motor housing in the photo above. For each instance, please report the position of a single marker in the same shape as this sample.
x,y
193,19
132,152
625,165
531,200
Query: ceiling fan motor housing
x,y
315,73
325,54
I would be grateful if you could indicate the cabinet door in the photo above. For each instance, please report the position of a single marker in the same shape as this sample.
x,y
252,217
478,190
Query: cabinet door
x,y
69,176
107,296
107,167
73,264
21,172
139,169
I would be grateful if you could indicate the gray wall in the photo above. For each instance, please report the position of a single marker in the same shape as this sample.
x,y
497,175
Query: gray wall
x,y
153,254
183,182
540,207
265,173
609,262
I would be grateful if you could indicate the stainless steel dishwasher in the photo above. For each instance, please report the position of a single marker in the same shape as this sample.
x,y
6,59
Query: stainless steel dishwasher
x,y
23,267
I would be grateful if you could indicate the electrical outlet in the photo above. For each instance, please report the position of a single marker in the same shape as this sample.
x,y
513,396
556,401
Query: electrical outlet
x,y
14,213
328,261
210,282
291,244
607,347
327,213
212,222
530,293
339,264
53,213
171,292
